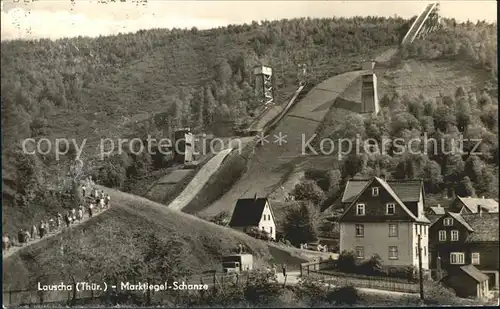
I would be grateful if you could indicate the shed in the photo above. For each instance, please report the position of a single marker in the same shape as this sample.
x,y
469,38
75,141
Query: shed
x,y
468,281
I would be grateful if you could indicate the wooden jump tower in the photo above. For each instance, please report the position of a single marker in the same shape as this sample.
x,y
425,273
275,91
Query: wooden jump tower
x,y
264,84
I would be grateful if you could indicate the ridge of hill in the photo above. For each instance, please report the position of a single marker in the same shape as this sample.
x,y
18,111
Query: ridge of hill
x,y
130,216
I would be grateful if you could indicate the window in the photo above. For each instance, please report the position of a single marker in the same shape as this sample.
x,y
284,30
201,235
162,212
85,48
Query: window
x,y
475,258
457,258
442,235
393,253
270,229
448,221
390,208
360,252
425,251
360,230
393,230
360,209
416,252
425,230
454,235
375,191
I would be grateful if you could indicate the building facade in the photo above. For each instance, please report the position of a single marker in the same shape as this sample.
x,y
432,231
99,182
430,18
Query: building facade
x,y
377,221
254,213
466,239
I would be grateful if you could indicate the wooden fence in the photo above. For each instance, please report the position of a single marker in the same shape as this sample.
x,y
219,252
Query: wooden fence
x,y
362,281
322,271
33,296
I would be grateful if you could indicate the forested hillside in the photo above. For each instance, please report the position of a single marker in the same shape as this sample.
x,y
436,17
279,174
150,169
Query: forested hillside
x,y
152,81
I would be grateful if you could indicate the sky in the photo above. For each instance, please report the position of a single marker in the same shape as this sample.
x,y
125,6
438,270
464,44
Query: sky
x,y
31,19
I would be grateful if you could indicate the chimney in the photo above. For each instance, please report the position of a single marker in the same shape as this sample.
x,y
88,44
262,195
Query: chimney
x,y
255,197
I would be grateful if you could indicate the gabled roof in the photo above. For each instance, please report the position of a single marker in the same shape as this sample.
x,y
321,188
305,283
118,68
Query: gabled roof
x,y
433,218
460,219
438,210
474,273
485,227
472,203
407,190
248,212
388,188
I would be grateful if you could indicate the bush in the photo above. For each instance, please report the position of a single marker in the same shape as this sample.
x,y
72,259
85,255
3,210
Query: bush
x,y
312,292
404,272
347,262
346,295
372,267
437,294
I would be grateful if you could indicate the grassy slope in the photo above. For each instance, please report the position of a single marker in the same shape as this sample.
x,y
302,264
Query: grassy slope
x,y
205,241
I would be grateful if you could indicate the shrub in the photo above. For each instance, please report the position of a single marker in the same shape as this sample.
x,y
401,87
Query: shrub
x,y
347,262
310,291
372,266
437,294
346,295
308,190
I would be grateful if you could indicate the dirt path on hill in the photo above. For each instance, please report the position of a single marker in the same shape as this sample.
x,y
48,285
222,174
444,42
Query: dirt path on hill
x,y
12,250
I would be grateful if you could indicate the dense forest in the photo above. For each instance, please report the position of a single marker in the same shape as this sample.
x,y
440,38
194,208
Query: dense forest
x,y
91,88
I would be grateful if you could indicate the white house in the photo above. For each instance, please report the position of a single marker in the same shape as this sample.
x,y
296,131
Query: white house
x,y
254,213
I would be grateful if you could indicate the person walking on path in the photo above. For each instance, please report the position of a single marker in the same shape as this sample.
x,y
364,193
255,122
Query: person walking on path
x,y
33,231
5,242
27,236
67,219
51,225
91,210
108,200
73,215
59,221
43,228
80,213
20,237
283,267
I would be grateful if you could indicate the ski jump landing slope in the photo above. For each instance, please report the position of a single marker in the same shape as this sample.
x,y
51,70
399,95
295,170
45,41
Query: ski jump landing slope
x,y
266,169
199,180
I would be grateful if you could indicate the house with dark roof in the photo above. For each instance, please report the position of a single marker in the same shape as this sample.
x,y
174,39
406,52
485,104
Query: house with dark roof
x,y
436,210
462,239
472,205
385,218
251,213
468,281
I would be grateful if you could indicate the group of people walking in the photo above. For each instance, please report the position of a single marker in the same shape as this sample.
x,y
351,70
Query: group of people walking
x,y
96,201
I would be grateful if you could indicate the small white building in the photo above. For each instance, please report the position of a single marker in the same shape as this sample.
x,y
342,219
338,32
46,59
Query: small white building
x,y
253,213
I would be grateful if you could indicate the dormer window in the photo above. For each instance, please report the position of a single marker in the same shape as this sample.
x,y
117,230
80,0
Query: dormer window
x,y
390,208
360,209
375,191
447,221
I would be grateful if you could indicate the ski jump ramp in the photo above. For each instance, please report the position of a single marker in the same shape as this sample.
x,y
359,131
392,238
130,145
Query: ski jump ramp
x,y
199,180
265,169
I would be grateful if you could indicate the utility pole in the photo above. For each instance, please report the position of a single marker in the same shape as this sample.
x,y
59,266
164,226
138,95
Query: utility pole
x,y
420,270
